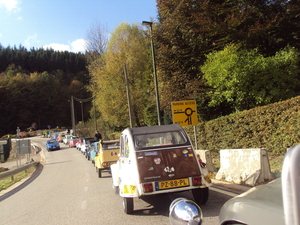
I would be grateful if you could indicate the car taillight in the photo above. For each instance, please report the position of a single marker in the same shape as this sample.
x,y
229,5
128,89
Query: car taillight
x,y
148,187
105,164
197,181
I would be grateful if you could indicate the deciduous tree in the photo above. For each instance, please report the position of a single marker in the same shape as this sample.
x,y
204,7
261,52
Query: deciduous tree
x,y
246,79
127,45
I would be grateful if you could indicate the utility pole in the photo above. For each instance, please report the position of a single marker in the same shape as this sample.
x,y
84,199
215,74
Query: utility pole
x,y
73,116
128,96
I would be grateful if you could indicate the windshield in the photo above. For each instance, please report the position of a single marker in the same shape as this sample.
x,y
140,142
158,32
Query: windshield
x,y
159,139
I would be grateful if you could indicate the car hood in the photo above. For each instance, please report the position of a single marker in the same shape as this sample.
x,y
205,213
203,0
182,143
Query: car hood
x,y
259,205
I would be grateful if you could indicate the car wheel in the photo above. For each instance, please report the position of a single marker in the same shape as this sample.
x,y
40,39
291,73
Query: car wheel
x,y
99,173
200,195
127,205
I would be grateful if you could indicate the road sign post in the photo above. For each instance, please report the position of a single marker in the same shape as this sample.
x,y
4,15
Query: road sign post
x,y
184,113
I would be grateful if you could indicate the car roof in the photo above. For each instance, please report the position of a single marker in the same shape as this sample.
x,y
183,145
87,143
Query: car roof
x,y
155,129
109,141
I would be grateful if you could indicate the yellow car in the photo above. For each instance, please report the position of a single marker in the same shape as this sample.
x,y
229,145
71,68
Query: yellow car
x,y
108,154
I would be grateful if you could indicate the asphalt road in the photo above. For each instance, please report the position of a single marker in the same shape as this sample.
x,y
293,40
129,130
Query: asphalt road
x,y
66,190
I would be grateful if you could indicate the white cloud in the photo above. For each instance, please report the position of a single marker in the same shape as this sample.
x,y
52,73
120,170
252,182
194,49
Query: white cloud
x,y
10,5
31,41
75,46
78,45
57,47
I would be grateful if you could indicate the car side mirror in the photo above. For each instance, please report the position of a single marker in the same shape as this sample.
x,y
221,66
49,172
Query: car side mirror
x,y
185,212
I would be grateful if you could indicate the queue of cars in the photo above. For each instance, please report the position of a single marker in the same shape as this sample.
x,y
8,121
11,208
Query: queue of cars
x,y
147,161
101,153
160,159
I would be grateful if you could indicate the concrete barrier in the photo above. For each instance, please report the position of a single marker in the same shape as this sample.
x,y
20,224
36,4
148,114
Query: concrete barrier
x,y
244,166
206,158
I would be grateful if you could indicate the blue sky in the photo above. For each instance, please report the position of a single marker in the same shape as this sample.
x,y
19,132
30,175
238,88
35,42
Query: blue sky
x,y
63,24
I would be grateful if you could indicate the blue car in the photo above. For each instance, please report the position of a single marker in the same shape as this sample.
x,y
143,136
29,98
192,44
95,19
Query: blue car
x,y
94,151
52,145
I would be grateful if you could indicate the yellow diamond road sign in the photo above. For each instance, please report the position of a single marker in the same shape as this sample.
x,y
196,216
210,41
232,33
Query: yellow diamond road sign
x,y
185,113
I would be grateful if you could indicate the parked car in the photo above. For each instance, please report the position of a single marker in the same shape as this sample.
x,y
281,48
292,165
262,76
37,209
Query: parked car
x,y
52,144
67,138
72,141
94,151
155,160
89,148
50,134
79,143
85,144
60,137
54,135
108,154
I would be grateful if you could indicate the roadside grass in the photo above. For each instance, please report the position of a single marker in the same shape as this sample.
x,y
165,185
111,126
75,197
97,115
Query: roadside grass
x,y
9,181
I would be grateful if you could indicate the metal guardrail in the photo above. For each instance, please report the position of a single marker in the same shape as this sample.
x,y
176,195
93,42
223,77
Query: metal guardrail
x,y
11,173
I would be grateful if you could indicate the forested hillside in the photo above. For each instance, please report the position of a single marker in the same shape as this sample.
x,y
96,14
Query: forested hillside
x,y
36,87
73,65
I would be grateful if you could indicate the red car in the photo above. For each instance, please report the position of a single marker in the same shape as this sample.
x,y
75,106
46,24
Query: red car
x,y
60,137
79,143
73,142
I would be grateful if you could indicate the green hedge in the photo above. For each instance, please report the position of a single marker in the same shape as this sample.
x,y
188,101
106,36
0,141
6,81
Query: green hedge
x,y
274,127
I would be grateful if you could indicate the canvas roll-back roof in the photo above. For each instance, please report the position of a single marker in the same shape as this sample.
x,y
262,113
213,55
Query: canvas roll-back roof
x,y
155,129
109,141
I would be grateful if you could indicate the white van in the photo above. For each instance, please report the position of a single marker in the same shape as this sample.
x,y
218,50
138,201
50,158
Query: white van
x,y
155,160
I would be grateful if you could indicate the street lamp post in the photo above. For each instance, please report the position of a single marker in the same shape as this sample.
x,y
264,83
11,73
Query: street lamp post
x,y
95,113
81,111
149,24
73,116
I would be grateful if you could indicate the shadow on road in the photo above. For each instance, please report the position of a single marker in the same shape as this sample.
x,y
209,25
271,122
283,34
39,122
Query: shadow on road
x,y
159,204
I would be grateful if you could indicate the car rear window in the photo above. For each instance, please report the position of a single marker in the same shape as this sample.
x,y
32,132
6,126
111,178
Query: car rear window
x,y
110,146
159,139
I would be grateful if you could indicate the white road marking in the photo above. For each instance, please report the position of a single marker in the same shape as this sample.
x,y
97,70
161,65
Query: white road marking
x,y
223,191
